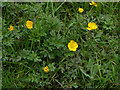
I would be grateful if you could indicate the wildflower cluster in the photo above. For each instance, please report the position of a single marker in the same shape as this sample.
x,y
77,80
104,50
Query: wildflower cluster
x,y
29,25
62,48
72,45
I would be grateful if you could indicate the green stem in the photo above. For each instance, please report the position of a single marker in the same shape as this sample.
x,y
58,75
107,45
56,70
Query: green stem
x,y
61,61
98,67
12,49
47,61
31,45
52,10
47,8
81,39
83,78
91,9
39,41
26,45
42,79
59,7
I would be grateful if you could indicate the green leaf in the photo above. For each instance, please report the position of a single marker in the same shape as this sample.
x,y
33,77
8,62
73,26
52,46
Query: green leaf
x,y
87,75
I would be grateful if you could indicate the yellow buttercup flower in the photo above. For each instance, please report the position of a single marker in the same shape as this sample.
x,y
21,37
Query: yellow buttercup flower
x,y
46,69
92,26
93,3
11,28
80,10
29,24
72,45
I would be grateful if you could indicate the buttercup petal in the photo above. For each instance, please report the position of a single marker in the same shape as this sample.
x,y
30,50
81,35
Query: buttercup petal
x,y
89,28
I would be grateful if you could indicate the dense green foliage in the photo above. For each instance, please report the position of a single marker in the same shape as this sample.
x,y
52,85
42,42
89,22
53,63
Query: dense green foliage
x,y
27,51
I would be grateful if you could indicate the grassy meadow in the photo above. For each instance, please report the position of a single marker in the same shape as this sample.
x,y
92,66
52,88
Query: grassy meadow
x,y
60,44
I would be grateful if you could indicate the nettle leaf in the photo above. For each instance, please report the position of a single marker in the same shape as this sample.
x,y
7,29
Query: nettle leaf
x,y
61,68
51,55
74,85
8,41
53,33
56,41
87,75
36,60
51,66
30,55
71,54
42,33
99,33
18,34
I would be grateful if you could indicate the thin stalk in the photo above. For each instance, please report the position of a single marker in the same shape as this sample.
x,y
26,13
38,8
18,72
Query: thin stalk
x,y
31,45
47,11
39,41
12,49
52,10
42,79
59,83
83,78
61,61
98,67
59,7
